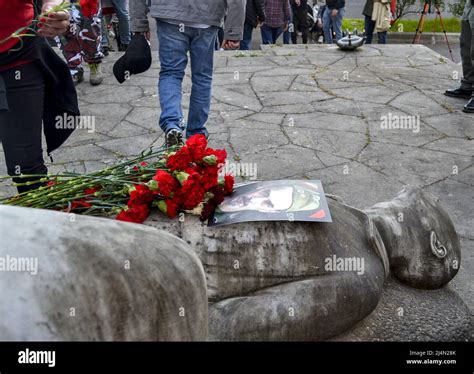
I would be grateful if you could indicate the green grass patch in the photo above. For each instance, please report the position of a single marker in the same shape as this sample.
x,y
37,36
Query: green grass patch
x,y
409,25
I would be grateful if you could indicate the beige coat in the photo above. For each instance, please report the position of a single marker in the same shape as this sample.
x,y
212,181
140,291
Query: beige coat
x,y
381,15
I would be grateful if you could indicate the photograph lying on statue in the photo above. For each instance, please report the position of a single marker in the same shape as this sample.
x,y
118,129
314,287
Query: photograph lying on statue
x,y
280,200
237,171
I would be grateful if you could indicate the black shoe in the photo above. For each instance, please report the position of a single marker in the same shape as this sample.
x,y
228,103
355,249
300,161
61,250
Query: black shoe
x,y
469,107
174,138
460,93
105,51
78,77
122,47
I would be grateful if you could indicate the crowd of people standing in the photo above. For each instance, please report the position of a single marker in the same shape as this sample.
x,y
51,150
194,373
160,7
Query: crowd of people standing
x,y
291,18
36,86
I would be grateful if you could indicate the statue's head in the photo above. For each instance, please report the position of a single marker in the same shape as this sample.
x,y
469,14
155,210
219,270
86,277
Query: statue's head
x,y
420,238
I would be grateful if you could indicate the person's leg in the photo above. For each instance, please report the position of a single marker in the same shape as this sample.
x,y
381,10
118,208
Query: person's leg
x,y
246,41
173,52
266,32
276,32
122,11
327,26
104,39
303,25
90,36
382,37
338,23
467,55
70,46
288,32
369,29
202,58
21,125
294,28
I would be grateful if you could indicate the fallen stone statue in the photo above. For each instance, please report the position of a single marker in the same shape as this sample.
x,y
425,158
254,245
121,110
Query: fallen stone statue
x,y
378,274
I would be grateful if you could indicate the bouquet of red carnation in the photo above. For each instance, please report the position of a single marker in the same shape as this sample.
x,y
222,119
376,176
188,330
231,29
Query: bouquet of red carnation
x,y
182,179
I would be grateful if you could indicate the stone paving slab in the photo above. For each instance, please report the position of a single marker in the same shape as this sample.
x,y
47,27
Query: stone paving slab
x,y
309,112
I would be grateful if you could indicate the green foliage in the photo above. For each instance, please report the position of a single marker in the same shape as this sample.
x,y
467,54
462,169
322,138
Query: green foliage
x,y
457,8
409,25
405,7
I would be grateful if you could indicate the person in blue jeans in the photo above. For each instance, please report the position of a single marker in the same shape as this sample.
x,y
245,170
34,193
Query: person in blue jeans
x,y
254,14
289,28
332,19
188,27
121,8
277,18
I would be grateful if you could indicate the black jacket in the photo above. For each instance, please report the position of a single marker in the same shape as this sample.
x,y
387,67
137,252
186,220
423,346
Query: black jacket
x,y
335,4
303,4
254,9
60,94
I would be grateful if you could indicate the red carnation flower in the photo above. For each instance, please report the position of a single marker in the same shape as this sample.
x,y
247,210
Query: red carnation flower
x,y
167,184
229,184
172,208
80,204
180,160
221,154
197,145
209,177
91,191
210,206
135,214
141,195
89,7
142,164
192,193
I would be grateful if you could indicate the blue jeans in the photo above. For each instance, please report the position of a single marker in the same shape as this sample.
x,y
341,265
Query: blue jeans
x,y
174,45
122,11
330,22
270,34
246,42
369,32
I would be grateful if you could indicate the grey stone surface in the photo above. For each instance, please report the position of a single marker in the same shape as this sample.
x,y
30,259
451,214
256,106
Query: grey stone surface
x,y
97,279
359,88
408,314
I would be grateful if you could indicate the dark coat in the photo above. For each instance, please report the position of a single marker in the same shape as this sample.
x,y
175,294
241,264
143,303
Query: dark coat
x,y
60,94
368,8
254,9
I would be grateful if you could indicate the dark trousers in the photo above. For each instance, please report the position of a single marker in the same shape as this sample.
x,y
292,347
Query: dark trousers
x,y
369,32
270,34
467,55
300,23
21,125
246,41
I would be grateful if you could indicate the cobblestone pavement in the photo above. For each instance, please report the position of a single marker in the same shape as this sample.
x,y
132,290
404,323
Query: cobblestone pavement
x,y
310,112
